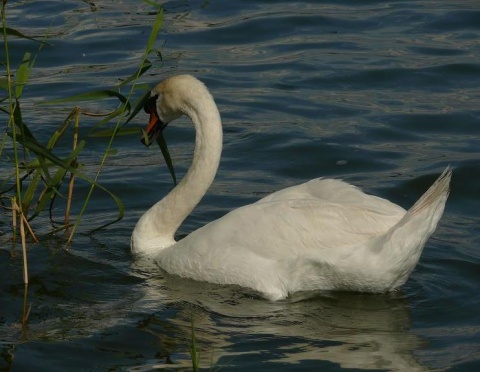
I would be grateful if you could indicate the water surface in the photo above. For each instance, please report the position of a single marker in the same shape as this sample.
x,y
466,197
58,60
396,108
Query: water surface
x,y
383,94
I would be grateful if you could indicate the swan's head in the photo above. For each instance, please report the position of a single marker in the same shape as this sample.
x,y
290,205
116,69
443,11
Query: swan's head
x,y
168,101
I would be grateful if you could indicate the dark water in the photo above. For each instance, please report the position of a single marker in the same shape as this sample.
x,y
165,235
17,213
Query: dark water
x,y
382,94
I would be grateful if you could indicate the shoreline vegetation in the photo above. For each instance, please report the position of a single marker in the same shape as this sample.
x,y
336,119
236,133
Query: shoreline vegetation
x,y
41,174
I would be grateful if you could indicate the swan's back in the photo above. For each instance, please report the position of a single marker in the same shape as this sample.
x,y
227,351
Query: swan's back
x,y
354,210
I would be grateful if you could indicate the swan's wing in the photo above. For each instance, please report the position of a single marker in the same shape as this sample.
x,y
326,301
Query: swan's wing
x,y
335,191
282,229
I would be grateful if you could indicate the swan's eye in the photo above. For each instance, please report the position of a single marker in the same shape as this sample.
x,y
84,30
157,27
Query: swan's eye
x,y
151,104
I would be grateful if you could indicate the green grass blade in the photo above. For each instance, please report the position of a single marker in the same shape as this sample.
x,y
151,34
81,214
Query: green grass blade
x,y
166,155
4,85
118,111
31,191
17,116
90,96
35,165
144,68
23,73
121,210
26,138
138,106
47,195
119,132
155,27
192,347
52,187
55,137
13,32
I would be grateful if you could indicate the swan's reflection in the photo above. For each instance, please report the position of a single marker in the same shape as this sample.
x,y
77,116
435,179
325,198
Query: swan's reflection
x,y
233,326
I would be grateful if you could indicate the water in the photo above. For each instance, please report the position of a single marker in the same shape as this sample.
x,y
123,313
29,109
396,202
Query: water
x,y
382,94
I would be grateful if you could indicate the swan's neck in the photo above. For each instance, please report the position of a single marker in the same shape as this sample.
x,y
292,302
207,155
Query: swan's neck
x,y
156,228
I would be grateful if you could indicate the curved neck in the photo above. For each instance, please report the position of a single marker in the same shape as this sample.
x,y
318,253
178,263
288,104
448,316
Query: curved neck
x,y
156,228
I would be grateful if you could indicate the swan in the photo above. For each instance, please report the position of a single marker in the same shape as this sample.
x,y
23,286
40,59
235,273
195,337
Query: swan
x,y
324,234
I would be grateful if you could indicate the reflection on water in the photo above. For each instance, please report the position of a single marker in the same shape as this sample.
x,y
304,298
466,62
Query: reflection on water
x,y
141,312
351,330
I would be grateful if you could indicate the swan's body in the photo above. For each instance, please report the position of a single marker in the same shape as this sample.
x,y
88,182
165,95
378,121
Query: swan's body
x,y
321,235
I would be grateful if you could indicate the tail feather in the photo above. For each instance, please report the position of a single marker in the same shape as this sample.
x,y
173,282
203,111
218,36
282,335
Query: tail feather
x,y
403,244
437,192
423,216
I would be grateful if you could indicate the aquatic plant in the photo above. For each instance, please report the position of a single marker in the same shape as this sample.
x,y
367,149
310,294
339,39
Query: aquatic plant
x,y
193,349
32,182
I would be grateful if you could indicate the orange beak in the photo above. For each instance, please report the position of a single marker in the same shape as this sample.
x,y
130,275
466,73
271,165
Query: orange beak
x,y
154,127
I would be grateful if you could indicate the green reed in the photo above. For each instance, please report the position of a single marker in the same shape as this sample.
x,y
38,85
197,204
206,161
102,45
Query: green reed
x,y
193,349
40,168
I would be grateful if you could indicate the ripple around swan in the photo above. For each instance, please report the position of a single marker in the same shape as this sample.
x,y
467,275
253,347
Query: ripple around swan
x,y
381,93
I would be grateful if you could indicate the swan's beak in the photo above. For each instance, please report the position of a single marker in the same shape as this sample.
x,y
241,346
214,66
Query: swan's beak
x,y
154,128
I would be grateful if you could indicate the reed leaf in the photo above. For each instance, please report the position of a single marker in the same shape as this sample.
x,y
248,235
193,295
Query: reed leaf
x,y
139,106
193,349
157,24
30,192
26,137
143,68
23,73
90,96
111,132
3,85
13,32
166,155
52,142
43,169
18,120
43,154
115,113
52,188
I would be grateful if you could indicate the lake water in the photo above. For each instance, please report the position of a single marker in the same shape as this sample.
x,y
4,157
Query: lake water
x,y
384,94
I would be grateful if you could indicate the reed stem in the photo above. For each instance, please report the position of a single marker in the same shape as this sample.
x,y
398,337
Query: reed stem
x,y
194,354
24,253
74,165
25,311
11,121
14,219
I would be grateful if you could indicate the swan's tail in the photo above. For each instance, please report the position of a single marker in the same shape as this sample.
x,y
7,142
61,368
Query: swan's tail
x,y
403,244
437,194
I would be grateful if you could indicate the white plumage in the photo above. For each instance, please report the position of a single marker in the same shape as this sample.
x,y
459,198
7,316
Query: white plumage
x,y
321,235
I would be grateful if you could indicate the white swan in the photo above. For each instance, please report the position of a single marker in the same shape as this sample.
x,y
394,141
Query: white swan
x,y
321,235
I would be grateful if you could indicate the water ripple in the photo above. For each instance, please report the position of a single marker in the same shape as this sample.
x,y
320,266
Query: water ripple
x,y
383,94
